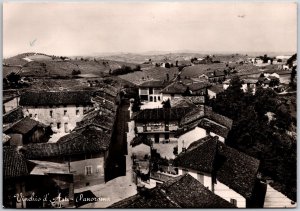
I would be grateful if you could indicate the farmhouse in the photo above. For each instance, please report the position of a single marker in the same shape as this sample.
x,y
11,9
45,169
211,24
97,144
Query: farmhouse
x,y
179,192
226,172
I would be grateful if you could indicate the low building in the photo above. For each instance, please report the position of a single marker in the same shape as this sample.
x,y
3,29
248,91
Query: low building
x,y
10,102
201,122
224,171
150,91
85,152
28,131
214,90
180,192
141,147
186,87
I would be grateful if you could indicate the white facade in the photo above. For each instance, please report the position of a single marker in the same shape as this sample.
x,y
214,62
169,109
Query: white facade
x,y
211,94
62,119
150,94
217,188
170,96
11,104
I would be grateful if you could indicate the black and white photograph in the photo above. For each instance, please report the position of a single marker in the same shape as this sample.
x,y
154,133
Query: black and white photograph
x,y
163,104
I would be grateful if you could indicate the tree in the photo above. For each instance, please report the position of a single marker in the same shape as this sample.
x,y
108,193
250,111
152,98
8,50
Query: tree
x,y
13,78
136,106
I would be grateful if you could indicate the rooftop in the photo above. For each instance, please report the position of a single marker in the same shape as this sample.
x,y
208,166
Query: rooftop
x,y
154,84
179,192
233,168
23,126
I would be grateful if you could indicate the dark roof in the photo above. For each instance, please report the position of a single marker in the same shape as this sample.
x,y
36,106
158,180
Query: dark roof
x,y
205,112
97,118
180,192
103,102
238,171
212,127
23,126
233,168
179,87
154,84
88,140
40,98
14,163
159,114
13,115
217,88
191,159
140,140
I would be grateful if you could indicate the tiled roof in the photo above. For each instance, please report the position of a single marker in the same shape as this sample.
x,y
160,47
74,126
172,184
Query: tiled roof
x,y
180,192
14,163
199,158
179,87
140,140
159,114
88,140
13,115
23,126
154,84
216,88
233,168
41,98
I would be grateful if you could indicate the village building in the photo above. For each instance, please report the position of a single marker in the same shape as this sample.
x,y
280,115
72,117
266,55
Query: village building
x,y
59,109
214,76
159,124
10,101
150,91
185,87
224,171
27,131
214,90
19,174
199,123
180,192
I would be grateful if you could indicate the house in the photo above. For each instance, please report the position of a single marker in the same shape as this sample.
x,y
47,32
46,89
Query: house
x,y
214,90
13,116
85,152
199,123
59,109
216,76
151,90
27,131
224,171
18,185
10,101
249,84
186,87
159,124
180,192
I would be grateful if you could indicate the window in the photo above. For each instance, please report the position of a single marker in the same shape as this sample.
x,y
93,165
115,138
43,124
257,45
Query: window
x,y
158,98
233,201
167,136
66,128
35,116
88,170
77,112
99,170
65,112
150,91
51,113
151,99
58,125
30,115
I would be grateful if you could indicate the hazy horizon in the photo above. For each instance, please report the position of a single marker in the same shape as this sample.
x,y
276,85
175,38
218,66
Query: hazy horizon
x,y
87,29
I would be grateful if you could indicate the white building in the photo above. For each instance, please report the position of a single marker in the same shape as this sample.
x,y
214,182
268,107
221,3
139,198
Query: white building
x,y
226,172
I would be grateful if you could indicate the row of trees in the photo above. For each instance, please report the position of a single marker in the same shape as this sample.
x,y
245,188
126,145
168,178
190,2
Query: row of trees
x,y
259,135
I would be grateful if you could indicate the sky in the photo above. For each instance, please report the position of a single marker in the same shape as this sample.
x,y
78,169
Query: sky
x,y
78,28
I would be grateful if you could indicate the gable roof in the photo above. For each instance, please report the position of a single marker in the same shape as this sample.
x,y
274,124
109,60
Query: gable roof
x,y
40,98
14,163
13,115
154,84
233,168
87,140
180,192
217,88
23,126
160,114
199,158
180,87
140,140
